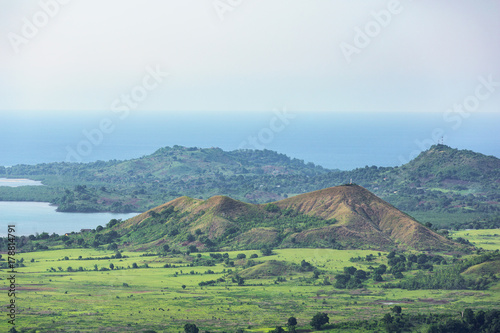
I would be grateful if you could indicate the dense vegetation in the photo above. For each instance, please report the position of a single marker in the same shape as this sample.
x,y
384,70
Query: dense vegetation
x,y
442,181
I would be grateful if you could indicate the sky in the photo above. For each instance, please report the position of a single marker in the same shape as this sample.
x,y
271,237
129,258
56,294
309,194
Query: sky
x,y
170,56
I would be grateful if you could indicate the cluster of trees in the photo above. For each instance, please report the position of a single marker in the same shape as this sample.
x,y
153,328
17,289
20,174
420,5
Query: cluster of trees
x,y
400,263
469,321
351,279
449,277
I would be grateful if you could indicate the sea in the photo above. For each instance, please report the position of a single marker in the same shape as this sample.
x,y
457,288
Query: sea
x,y
339,140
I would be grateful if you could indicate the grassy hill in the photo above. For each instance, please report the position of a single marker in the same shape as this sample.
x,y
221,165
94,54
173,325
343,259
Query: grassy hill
x,y
347,216
449,187
444,186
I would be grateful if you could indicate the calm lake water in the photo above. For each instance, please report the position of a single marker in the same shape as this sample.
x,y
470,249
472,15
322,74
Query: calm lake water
x,y
33,217
37,217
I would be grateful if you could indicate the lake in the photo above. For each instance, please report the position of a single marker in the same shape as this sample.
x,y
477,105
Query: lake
x,y
19,182
38,217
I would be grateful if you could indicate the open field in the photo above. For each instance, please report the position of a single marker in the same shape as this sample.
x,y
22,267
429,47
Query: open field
x,y
488,239
52,299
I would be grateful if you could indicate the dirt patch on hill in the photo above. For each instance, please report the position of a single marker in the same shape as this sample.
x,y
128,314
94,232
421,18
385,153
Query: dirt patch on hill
x,y
433,301
392,302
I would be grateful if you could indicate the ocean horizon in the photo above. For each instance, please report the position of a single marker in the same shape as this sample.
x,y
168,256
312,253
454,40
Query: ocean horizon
x,y
333,140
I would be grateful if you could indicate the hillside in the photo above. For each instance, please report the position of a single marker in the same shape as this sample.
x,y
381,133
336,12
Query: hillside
x,y
143,183
452,188
440,181
347,216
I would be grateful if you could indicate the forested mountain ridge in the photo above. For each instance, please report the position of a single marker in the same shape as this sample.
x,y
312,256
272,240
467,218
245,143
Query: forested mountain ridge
x,y
440,180
170,172
346,216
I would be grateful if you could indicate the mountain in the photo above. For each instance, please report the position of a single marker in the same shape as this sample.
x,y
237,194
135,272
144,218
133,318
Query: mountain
x,y
347,216
440,181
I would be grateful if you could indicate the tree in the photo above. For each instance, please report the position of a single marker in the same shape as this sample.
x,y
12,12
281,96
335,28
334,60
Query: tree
x,y
191,328
469,316
292,322
278,329
396,309
112,246
350,270
241,256
266,251
183,286
381,269
319,320
111,266
387,318
238,279
360,274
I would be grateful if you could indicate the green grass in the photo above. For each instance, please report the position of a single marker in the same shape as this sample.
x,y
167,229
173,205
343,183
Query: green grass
x,y
445,219
98,301
488,239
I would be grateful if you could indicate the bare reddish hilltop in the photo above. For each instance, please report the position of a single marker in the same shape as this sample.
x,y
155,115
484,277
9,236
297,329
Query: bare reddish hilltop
x,y
347,216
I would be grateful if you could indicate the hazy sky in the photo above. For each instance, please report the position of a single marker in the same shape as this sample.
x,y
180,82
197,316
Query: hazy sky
x,y
247,55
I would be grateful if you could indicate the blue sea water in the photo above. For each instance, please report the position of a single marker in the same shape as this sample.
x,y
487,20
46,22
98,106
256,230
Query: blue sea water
x,y
334,140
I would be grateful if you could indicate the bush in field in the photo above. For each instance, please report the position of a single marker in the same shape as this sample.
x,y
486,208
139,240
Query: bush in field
x,y
319,320
292,322
191,328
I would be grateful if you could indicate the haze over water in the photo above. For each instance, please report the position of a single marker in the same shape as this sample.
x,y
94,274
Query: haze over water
x,y
332,140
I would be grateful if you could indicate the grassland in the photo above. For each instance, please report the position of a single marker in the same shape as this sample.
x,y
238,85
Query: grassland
x,y
52,299
488,239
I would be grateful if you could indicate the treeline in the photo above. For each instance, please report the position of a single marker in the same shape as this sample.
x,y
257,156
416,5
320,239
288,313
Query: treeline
x,y
449,277
469,321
